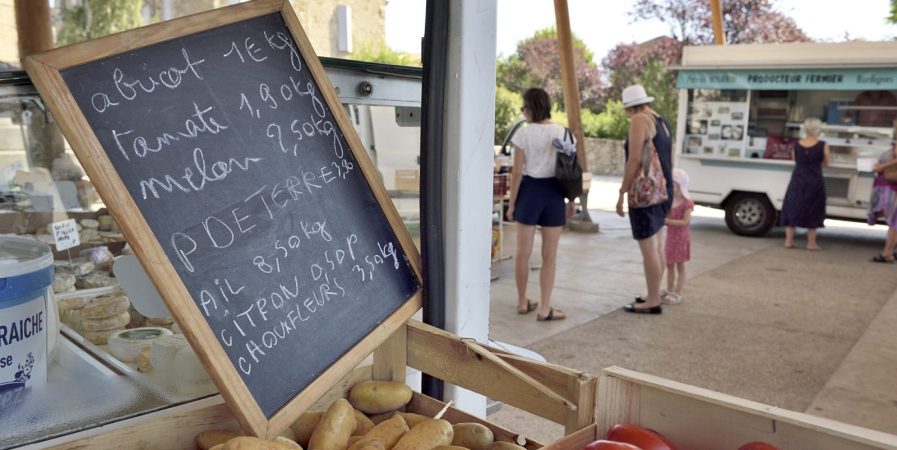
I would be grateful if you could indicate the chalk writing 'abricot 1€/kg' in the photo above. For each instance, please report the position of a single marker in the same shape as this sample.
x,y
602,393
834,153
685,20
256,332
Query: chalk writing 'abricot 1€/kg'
x,y
170,78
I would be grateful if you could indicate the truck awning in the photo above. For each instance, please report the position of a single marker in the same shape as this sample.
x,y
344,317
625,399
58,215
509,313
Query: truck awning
x,y
876,79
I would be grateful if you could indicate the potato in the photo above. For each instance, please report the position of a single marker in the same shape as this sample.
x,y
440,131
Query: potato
x,y
378,418
218,447
362,424
450,447
288,433
501,445
413,419
367,443
427,435
354,439
254,443
304,425
375,397
288,443
335,427
208,439
389,431
472,435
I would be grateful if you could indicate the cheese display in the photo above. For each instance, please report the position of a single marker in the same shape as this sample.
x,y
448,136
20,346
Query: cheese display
x,y
115,322
64,282
106,306
127,345
165,349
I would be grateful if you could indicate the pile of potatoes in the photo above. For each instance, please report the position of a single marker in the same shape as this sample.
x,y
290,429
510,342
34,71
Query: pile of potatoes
x,y
369,420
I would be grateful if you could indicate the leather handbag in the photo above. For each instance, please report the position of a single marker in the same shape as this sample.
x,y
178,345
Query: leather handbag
x,y
649,187
890,174
568,171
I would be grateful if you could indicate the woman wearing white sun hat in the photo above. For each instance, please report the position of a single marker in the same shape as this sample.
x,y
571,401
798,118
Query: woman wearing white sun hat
x,y
647,223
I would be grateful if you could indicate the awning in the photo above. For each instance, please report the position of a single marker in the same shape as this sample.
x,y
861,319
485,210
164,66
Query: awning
x,y
790,79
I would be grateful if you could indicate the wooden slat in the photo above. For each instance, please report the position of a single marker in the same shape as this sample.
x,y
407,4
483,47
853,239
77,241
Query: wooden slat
x,y
421,404
618,402
577,440
165,430
583,391
443,355
390,357
113,44
675,409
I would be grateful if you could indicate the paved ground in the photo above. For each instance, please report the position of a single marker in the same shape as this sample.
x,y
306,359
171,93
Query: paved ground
x,y
806,331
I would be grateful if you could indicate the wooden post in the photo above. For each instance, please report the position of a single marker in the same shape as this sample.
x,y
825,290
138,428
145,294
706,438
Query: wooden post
x,y
568,77
572,105
716,9
33,27
45,142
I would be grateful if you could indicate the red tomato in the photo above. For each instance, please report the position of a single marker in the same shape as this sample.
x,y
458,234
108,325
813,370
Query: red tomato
x,y
641,437
757,446
610,445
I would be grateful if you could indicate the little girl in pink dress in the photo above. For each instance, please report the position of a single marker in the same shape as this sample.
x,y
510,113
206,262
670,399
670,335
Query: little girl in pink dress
x,y
678,243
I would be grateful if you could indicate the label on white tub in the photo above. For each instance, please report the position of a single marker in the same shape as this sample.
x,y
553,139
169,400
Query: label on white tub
x,y
66,235
23,350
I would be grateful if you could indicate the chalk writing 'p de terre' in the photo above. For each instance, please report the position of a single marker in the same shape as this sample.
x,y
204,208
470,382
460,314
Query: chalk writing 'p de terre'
x,y
127,90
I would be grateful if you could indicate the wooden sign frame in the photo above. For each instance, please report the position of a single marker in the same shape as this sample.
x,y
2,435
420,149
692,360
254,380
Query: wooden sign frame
x,y
45,69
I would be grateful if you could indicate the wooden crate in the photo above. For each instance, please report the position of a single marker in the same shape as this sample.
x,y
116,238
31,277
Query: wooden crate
x,y
556,393
408,180
695,418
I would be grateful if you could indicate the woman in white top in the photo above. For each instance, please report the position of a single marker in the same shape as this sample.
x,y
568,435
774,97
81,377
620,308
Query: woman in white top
x,y
537,199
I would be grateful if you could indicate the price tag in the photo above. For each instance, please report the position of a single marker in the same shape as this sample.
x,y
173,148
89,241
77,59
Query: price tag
x,y
65,234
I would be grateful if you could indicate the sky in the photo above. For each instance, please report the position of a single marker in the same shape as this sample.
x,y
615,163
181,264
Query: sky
x,y
604,24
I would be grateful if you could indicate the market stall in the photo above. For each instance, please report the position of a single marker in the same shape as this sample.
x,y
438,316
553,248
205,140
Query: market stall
x,y
741,109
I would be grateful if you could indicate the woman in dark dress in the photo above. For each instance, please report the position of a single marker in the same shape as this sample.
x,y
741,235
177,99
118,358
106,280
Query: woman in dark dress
x,y
804,204
647,223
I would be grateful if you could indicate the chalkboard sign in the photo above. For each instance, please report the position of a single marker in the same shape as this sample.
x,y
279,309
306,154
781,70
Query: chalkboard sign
x,y
248,198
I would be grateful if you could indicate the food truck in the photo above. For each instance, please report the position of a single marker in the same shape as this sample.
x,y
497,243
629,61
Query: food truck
x,y
741,109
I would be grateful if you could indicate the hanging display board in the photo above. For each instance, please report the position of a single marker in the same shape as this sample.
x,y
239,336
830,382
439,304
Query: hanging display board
x,y
220,147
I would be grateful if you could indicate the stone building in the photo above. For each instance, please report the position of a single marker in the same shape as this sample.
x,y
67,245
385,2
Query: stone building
x,y
335,28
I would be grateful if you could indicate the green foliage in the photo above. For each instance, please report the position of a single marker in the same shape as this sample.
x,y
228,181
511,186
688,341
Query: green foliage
x,y
612,123
514,74
552,34
95,18
661,83
507,111
379,52
893,17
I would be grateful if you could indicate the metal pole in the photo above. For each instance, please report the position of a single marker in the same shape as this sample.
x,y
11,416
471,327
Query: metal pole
x,y
435,55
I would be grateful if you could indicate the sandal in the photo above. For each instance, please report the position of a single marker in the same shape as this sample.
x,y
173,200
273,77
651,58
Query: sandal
x,y
671,298
653,310
882,259
530,307
553,314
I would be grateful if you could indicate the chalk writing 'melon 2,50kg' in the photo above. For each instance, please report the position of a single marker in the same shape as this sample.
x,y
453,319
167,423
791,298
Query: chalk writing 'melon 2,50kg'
x,y
225,143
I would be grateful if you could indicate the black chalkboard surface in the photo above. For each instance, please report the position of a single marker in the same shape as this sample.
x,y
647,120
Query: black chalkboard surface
x,y
227,147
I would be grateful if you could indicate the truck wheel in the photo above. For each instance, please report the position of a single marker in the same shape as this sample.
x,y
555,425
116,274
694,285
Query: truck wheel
x,y
750,215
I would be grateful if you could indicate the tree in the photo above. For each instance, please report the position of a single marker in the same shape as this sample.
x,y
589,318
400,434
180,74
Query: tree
x,y
893,17
95,18
661,84
537,64
744,21
626,62
507,111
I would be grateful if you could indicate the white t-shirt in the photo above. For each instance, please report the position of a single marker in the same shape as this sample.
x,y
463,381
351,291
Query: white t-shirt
x,y
535,140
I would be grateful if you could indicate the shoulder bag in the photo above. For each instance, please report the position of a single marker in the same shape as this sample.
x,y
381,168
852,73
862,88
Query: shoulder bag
x,y
649,187
568,172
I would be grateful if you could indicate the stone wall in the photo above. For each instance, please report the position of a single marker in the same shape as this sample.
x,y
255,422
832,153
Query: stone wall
x,y
9,39
605,156
319,19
